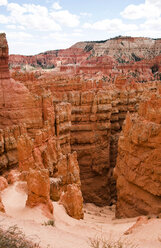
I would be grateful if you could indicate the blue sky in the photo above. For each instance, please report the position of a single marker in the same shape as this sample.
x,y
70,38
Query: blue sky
x,y
36,26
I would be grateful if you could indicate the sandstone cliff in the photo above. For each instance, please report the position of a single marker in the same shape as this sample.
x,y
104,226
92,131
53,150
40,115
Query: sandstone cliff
x,y
138,165
98,110
135,57
71,118
38,144
123,48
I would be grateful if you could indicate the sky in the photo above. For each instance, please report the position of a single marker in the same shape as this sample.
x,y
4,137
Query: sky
x,y
41,25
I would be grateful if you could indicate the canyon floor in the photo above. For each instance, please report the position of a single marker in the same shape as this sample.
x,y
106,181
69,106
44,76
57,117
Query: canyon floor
x,y
98,223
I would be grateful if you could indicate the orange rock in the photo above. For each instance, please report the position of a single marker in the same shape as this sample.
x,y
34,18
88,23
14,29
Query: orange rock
x,y
16,101
138,165
3,183
13,176
72,200
139,222
73,169
39,189
2,209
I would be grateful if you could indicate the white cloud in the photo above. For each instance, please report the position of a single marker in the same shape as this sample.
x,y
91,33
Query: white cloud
x,y
77,34
11,26
3,2
32,16
59,37
154,2
134,12
37,17
19,36
56,6
15,9
36,9
3,19
86,14
152,25
66,18
150,9
113,25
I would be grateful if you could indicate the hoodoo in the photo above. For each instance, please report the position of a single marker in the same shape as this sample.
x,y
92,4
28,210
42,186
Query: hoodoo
x,y
30,135
88,130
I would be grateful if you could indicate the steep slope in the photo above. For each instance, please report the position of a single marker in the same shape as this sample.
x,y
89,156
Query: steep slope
x,y
32,130
138,165
138,58
122,49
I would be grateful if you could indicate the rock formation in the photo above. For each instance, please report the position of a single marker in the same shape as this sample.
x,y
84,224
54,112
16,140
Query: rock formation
x,y
72,200
139,162
93,127
35,138
138,58
2,209
16,101
3,183
38,183
79,117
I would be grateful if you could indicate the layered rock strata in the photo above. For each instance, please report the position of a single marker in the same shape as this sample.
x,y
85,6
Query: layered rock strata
x,y
16,102
70,115
97,114
138,167
133,56
39,143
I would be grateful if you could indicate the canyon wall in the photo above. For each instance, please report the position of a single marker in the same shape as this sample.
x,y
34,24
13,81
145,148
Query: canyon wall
x,y
76,118
138,168
97,114
96,122
35,139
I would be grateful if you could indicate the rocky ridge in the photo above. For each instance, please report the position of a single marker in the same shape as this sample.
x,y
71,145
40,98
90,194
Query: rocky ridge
x,y
138,58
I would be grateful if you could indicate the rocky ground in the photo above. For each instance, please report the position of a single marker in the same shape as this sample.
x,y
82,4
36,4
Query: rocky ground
x,y
99,223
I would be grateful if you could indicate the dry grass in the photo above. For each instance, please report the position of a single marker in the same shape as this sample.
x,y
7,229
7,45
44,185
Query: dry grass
x,y
14,238
50,222
103,243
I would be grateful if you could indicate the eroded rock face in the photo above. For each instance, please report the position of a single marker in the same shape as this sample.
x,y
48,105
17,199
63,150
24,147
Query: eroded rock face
x,y
39,143
38,189
135,57
86,116
2,209
96,121
4,70
138,165
72,200
92,128
16,101
3,183
45,153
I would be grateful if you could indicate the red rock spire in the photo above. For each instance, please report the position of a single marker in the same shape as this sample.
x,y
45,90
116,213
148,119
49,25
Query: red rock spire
x,y
4,70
